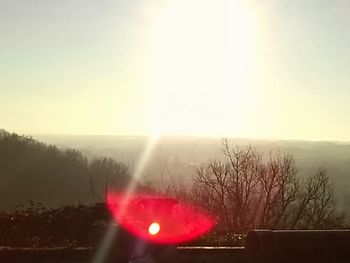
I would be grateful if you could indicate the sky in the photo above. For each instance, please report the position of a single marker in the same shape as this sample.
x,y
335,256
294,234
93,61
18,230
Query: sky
x,y
234,68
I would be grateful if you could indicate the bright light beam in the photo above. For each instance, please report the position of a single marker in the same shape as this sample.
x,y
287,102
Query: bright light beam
x,y
112,230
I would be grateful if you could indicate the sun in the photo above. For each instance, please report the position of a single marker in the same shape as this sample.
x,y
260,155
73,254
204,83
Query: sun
x,y
203,55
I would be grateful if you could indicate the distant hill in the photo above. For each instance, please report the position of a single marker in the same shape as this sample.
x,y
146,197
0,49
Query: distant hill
x,y
178,157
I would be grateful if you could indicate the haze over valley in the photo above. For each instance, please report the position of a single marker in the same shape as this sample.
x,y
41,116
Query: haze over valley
x,y
173,158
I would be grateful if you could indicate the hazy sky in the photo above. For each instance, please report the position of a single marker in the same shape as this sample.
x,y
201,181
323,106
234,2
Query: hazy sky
x,y
261,69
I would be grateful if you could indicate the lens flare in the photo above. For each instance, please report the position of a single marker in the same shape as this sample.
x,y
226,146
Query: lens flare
x,y
154,229
159,219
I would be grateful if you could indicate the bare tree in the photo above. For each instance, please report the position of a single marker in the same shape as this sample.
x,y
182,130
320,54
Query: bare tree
x,y
247,191
316,205
233,186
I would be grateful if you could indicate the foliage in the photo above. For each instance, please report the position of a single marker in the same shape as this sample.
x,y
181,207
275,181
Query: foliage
x,y
228,239
67,226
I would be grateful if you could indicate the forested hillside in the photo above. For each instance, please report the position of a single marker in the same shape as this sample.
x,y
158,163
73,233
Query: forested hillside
x,y
33,171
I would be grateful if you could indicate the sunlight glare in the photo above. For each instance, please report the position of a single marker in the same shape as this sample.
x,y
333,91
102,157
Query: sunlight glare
x,y
204,54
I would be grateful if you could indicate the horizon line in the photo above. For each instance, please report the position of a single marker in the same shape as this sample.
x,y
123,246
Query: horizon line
x,y
203,136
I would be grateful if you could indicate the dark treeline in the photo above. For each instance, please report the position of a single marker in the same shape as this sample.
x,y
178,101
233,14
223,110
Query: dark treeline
x,y
30,170
68,226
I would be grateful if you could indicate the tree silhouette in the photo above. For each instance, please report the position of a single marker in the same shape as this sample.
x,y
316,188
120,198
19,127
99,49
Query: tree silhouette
x,y
249,190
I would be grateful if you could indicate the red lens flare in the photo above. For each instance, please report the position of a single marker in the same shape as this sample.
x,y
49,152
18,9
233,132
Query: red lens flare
x,y
159,219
